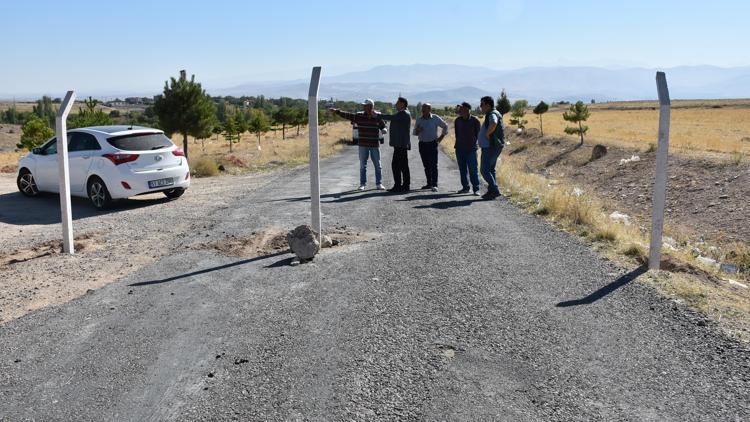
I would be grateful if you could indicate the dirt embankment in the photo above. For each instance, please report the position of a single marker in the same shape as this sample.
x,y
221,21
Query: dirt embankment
x,y
706,194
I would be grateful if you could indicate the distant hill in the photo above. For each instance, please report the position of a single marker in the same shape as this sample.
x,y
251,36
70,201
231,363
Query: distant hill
x,y
449,84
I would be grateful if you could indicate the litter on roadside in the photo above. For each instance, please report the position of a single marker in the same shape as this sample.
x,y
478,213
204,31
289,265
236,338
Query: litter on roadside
x,y
632,159
619,217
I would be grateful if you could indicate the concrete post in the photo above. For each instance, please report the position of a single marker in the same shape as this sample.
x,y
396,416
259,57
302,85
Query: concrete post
x,y
312,101
660,182
61,132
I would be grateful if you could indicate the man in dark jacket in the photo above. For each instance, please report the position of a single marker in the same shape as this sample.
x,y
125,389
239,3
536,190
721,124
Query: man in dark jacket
x,y
467,130
400,140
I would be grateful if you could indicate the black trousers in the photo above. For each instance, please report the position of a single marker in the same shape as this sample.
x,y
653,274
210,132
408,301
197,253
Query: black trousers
x,y
400,167
429,153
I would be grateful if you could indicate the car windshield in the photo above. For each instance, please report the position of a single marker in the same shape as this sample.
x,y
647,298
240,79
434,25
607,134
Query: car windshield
x,y
140,142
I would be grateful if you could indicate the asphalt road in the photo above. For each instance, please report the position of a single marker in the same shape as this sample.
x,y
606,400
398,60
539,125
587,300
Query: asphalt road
x,y
452,309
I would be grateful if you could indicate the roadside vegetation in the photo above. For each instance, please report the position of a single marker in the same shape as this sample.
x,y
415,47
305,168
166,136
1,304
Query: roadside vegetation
x,y
713,131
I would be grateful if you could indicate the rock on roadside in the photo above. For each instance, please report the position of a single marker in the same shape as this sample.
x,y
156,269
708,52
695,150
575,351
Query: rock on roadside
x,y
303,241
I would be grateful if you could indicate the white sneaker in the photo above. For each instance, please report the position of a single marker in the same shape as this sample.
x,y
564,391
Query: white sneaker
x,y
361,187
380,186
434,189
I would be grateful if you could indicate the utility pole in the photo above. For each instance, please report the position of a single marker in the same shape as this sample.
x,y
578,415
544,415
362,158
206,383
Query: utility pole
x,y
312,103
64,171
660,182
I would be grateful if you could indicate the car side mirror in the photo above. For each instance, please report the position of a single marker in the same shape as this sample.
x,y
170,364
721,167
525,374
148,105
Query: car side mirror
x,y
36,151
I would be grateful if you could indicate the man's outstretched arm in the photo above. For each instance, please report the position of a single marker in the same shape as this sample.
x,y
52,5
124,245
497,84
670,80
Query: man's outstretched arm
x,y
344,114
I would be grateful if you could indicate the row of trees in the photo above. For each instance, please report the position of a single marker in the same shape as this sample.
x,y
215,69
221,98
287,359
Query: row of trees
x,y
186,109
577,114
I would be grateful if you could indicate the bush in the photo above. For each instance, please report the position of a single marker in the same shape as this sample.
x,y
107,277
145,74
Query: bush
x,y
541,211
205,167
605,236
34,133
636,252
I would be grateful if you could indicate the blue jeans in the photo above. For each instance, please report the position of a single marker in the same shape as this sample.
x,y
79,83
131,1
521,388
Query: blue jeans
x,y
374,154
487,167
467,167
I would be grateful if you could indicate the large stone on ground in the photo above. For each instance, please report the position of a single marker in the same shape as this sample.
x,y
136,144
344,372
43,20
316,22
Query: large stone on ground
x,y
303,241
598,152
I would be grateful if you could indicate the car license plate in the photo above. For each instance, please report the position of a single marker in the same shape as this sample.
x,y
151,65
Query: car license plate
x,y
152,184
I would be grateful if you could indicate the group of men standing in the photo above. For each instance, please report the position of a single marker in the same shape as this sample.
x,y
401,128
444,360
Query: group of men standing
x,y
471,136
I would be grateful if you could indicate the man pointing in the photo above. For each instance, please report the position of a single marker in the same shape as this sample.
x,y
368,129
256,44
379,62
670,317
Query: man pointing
x,y
369,140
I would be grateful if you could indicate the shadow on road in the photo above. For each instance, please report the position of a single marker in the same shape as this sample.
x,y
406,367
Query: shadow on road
x,y
604,291
207,270
365,195
282,263
18,209
427,196
447,204
307,198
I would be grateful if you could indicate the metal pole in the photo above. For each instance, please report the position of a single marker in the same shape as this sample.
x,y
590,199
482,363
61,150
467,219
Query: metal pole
x,y
64,171
312,102
660,183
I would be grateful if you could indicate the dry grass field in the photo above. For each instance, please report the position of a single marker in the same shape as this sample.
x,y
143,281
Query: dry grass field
x,y
24,106
245,155
715,125
273,152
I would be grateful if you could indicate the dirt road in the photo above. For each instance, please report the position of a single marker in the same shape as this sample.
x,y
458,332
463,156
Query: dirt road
x,y
446,308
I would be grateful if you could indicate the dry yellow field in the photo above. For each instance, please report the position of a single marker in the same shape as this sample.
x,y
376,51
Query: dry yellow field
x,y
703,129
274,151
294,150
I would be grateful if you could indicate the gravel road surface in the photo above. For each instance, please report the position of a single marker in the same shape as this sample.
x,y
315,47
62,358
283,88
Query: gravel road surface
x,y
448,308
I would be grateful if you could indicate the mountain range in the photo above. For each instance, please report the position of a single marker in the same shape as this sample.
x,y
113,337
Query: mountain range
x,y
450,84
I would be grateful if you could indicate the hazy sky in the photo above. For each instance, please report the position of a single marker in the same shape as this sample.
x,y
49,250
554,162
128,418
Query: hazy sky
x,y
133,46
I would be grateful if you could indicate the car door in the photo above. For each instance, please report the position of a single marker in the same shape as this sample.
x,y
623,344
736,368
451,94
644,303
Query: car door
x,y
81,147
45,172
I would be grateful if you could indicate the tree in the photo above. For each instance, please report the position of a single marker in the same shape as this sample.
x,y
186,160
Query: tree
x,y
540,109
45,110
234,127
221,111
284,116
184,108
300,118
517,112
34,132
230,129
578,113
258,123
90,116
503,103
217,129
11,115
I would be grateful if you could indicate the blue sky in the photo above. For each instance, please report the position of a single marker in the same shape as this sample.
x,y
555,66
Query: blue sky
x,y
133,46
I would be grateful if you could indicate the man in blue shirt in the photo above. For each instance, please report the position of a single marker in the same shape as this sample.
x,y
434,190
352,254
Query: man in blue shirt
x,y
491,143
426,128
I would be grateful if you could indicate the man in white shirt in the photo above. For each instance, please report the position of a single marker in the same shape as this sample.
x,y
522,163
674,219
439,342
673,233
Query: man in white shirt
x,y
426,128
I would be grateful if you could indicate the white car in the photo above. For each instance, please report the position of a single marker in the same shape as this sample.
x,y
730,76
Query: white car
x,y
107,163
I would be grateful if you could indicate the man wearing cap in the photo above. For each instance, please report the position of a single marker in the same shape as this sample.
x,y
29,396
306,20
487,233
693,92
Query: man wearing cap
x,y
426,128
467,131
369,126
400,140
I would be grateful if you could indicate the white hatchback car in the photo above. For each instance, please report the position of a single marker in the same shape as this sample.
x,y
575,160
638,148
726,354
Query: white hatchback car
x,y
108,162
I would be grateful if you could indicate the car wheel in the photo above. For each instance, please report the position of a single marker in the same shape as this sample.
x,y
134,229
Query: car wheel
x,y
174,193
27,184
98,193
